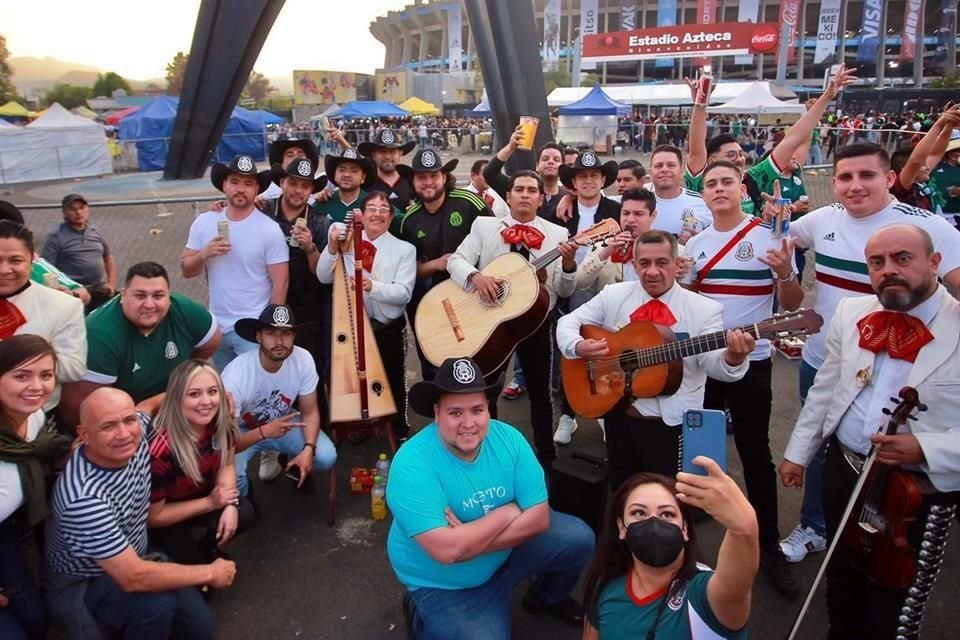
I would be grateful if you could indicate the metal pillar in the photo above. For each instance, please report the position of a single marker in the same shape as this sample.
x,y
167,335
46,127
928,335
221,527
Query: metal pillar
x,y
226,42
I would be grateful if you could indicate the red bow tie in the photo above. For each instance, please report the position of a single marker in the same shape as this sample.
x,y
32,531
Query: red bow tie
x,y
11,319
656,312
487,198
367,253
900,335
623,256
518,234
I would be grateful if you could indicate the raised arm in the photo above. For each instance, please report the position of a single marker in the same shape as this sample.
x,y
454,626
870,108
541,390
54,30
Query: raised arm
x,y
930,148
800,133
697,135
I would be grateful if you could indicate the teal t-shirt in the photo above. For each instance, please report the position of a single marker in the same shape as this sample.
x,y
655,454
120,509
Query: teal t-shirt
x,y
425,478
622,615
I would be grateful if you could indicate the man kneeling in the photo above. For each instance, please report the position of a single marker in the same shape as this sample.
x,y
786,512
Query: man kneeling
x,y
471,519
97,570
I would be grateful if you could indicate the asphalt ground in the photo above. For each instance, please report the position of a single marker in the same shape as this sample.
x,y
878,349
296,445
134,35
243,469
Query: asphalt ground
x,y
300,578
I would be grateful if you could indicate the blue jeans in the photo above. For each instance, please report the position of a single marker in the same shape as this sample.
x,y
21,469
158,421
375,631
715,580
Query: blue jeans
x,y
25,617
518,371
556,558
290,444
231,345
811,511
180,613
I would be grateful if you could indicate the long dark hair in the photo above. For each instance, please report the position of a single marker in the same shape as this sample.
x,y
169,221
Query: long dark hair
x,y
16,350
613,558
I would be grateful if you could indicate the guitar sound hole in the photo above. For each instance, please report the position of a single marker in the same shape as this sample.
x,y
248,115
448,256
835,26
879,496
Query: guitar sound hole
x,y
377,387
504,294
341,338
628,361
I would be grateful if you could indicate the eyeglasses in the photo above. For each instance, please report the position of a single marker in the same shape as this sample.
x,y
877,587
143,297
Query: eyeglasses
x,y
383,210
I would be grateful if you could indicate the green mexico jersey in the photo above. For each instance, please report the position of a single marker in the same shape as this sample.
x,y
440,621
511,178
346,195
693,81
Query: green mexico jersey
x,y
40,268
121,356
335,207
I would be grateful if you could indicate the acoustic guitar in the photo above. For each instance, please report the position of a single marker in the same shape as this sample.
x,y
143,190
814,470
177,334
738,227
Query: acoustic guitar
x,y
646,360
453,323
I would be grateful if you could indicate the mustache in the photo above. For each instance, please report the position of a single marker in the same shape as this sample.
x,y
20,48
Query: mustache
x,y
893,281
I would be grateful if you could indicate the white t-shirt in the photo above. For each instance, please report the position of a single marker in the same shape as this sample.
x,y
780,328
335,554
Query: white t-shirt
x,y
739,281
670,211
239,282
11,493
838,240
587,215
260,396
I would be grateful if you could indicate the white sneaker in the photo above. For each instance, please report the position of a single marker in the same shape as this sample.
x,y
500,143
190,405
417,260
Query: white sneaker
x,y
565,429
801,541
269,466
603,428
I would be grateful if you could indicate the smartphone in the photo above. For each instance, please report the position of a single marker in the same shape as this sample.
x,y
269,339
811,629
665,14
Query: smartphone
x,y
704,434
294,473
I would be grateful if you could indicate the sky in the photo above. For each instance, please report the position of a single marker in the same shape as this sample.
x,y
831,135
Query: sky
x,y
118,35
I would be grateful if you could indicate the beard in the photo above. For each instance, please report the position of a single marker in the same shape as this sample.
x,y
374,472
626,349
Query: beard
x,y
903,300
239,200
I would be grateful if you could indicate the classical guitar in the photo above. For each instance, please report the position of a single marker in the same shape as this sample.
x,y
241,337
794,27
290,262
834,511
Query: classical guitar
x,y
453,323
646,359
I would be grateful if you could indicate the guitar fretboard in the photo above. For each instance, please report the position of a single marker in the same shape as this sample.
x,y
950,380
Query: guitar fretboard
x,y
680,349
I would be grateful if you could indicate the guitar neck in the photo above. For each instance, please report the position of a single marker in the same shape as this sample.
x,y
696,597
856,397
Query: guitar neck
x,y
545,259
679,349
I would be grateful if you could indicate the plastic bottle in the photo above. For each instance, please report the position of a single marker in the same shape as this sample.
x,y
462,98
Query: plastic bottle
x,y
383,466
378,499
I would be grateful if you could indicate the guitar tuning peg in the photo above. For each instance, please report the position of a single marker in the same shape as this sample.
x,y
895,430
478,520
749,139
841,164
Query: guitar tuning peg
x,y
886,411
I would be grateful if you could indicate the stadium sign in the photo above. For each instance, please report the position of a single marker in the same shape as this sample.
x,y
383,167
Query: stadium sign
x,y
683,41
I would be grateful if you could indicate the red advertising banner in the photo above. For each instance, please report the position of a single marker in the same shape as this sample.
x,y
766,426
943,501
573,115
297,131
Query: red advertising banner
x,y
912,11
790,15
683,41
706,14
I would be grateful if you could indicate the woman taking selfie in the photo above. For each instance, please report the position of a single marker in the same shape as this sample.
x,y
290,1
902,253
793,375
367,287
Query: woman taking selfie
x,y
194,504
28,376
645,581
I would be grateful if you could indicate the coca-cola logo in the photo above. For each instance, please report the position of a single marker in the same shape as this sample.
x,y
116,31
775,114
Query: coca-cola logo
x,y
791,11
764,39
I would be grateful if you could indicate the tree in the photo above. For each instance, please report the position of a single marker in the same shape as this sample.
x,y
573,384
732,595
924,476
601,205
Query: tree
x,y
108,82
68,95
258,87
7,90
175,72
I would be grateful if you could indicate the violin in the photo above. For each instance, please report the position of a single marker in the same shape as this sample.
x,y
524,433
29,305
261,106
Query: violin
x,y
890,502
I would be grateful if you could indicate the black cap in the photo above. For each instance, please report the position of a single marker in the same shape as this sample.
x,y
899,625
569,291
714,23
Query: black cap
x,y
9,211
588,161
274,316
386,139
70,198
455,375
426,160
243,165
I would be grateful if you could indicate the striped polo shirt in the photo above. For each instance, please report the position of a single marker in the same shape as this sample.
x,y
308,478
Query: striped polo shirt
x,y
839,239
739,281
97,513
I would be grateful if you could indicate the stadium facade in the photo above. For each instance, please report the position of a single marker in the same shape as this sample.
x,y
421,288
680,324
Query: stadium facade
x,y
435,37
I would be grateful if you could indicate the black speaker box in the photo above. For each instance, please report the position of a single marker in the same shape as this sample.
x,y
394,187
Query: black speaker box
x,y
578,486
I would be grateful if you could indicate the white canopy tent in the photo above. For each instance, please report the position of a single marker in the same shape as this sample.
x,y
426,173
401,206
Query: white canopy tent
x,y
661,95
757,99
56,145
333,108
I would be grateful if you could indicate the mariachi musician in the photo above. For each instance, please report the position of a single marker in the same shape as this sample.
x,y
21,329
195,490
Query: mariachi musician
x,y
907,335
645,435
389,275
522,231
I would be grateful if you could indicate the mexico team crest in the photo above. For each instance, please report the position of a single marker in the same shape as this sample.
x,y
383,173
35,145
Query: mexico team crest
x,y
171,351
744,251
463,372
456,219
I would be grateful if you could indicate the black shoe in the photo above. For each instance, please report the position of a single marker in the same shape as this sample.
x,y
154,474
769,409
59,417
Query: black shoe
x,y
780,574
568,610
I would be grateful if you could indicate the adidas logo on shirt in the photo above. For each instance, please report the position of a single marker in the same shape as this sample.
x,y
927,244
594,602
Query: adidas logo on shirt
x,y
702,256
421,234
830,236
136,367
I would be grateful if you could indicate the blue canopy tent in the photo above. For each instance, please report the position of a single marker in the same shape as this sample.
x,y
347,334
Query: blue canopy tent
x,y
152,126
369,109
269,118
596,103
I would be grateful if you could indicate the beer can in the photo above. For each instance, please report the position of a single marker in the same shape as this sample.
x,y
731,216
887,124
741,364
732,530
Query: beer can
x,y
299,222
50,280
223,229
703,86
691,222
529,124
780,223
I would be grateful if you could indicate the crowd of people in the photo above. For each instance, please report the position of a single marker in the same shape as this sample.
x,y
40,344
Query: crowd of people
x,y
131,414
